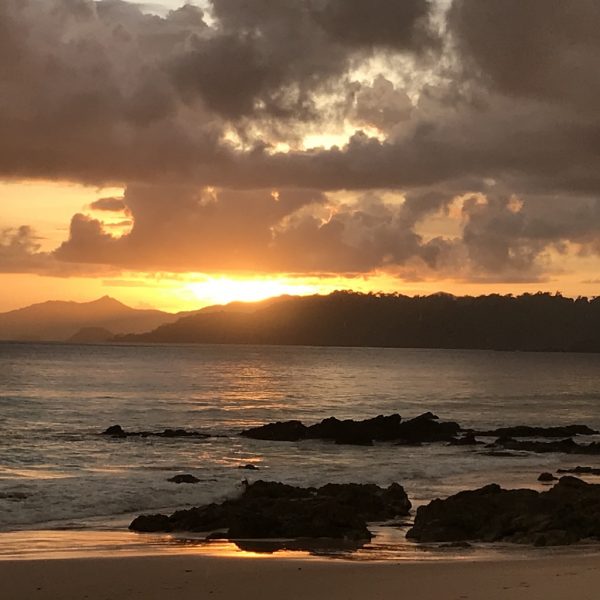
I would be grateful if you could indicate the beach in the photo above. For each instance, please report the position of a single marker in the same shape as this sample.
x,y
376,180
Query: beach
x,y
68,493
191,578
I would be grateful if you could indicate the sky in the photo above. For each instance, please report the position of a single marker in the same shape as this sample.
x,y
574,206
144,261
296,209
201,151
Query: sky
x,y
176,155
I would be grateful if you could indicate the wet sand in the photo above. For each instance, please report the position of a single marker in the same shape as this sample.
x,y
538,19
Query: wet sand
x,y
268,578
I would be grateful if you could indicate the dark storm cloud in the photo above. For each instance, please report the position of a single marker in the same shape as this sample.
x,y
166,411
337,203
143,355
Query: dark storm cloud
x,y
265,58
544,49
102,92
371,23
84,97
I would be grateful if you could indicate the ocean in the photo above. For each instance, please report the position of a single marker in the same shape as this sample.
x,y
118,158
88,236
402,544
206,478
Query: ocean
x,y
57,474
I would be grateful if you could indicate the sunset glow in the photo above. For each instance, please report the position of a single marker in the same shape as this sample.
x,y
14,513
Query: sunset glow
x,y
299,279
222,290
333,167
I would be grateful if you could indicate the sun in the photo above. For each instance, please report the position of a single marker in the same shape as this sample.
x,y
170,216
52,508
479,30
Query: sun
x,y
222,290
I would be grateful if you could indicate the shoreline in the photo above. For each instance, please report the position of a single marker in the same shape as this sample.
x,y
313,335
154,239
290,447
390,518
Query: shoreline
x,y
193,577
93,544
151,344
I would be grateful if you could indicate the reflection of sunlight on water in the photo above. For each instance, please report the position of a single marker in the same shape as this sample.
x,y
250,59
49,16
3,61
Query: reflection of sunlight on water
x,y
36,473
389,544
90,543
59,470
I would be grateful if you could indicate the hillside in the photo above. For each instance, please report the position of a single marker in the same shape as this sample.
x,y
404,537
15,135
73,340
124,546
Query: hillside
x,y
535,322
59,321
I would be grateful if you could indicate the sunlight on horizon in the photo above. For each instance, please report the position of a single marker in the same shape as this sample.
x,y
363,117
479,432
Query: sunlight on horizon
x,y
222,290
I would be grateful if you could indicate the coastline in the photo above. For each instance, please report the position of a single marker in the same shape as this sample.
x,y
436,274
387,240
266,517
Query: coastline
x,y
192,577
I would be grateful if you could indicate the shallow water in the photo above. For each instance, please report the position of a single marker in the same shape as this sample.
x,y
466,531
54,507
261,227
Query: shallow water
x,y
56,471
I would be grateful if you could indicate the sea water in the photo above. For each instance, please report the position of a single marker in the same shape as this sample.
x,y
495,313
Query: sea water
x,y
58,473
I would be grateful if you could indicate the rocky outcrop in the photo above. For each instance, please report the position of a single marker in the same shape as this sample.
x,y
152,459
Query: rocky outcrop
x,y
381,428
581,471
543,432
468,439
151,523
566,446
275,510
427,428
565,514
185,478
546,478
281,431
116,431
424,428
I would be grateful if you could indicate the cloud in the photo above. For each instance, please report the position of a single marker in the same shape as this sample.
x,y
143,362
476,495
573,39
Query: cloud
x,y
543,49
20,250
109,205
371,23
381,105
194,111
184,228
102,92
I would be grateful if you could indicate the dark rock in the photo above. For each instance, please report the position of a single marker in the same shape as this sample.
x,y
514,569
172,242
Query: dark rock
x,y
468,439
274,490
118,432
186,478
282,431
202,519
382,428
312,517
372,502
548,432
424,428
150,523
566,446
581,471
13,496
115,431
429,416
275,510
427,428
546,477
354,439
566,513
457,545
249,467
170,433
332,429
504,454
179,433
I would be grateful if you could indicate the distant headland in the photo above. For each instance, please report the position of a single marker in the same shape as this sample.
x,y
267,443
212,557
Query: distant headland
x,y
530,322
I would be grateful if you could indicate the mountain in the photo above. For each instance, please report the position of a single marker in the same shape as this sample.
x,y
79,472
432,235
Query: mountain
x,y
91,335
535,322
60,321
